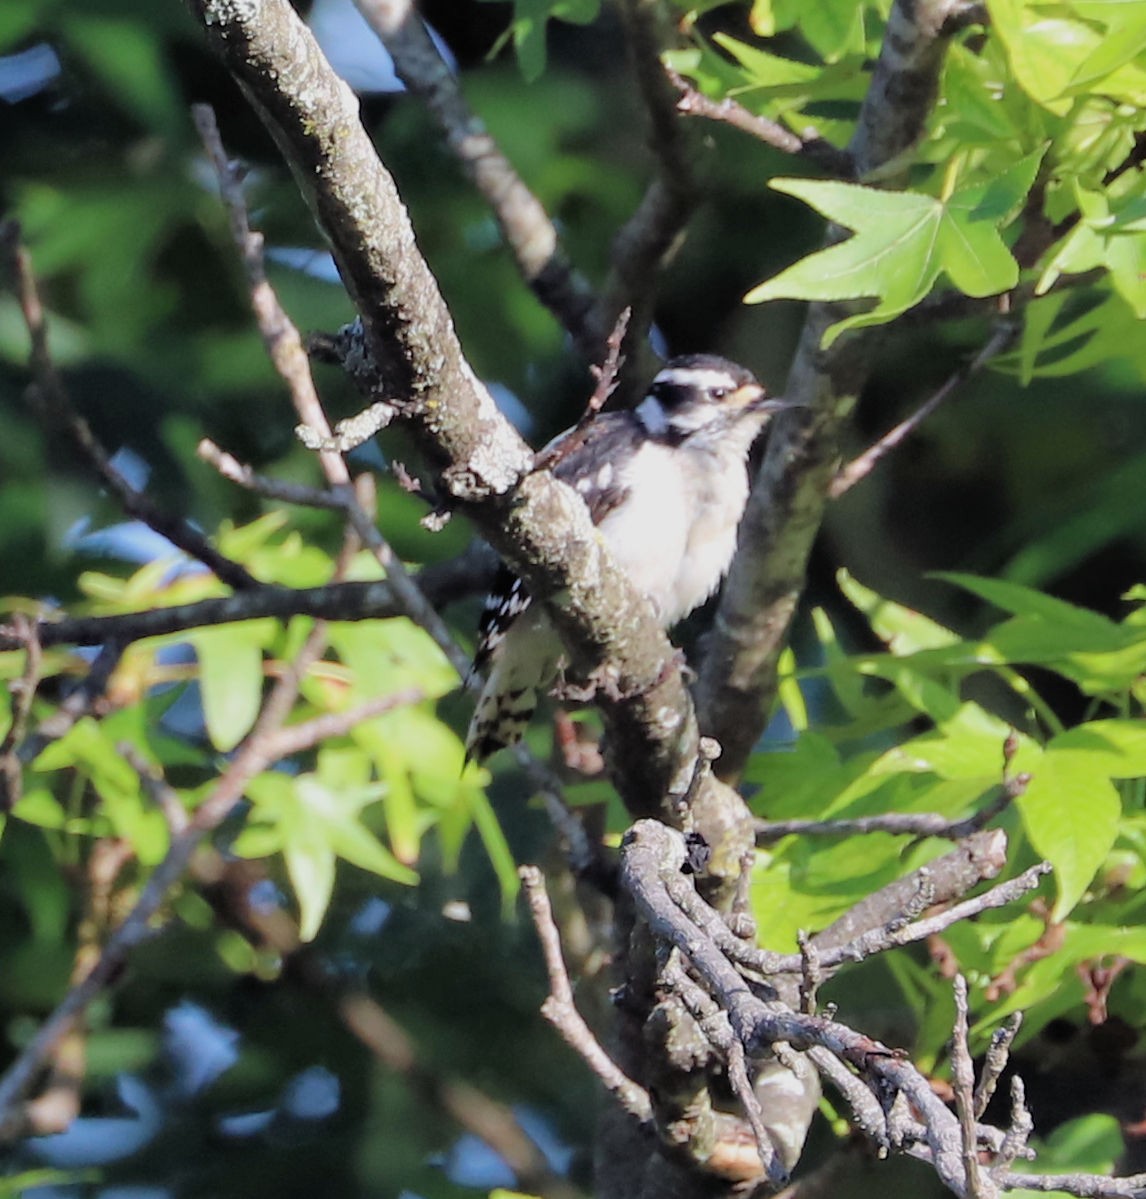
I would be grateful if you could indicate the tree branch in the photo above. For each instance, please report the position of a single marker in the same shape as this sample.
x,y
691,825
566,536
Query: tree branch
x,y
914,824
560,1010
409,349
528,230
809,145
860,467
280,337
653,232
650,854
652,857
334,601
738,678
81,700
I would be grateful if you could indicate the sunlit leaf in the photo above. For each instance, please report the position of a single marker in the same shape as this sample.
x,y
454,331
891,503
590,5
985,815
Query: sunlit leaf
x,y
903,242
230,678
1070,810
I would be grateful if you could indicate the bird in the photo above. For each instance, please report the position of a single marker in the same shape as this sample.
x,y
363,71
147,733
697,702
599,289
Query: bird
x,y
666,484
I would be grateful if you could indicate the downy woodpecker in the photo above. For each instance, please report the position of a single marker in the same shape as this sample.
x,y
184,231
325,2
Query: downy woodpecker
x,y
666,483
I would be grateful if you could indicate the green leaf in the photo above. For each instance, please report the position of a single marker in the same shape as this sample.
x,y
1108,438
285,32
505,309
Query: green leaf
x,y
967,746
798,782
1098,334
315,823
128,59
924,693
1125,40
493,838
230,678
1111,234
48,1178
903,629
1045,49
530,19
1079,625
1071,811
903,242
310,864
335,817
831,27
1073,530
766,70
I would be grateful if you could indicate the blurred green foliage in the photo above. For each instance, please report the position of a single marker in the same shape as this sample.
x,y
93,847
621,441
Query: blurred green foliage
x,y
1028,493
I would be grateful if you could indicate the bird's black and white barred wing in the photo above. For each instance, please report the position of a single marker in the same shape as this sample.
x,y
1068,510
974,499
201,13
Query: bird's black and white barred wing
x,y
507,600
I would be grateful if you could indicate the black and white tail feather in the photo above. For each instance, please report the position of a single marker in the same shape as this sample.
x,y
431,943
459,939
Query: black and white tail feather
x,y
666,484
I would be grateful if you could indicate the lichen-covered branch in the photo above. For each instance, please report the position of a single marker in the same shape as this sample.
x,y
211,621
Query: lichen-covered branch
x,y
894,1104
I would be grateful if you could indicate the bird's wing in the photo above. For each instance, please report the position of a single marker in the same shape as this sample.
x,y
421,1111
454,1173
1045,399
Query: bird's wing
x,y
588,457
585,458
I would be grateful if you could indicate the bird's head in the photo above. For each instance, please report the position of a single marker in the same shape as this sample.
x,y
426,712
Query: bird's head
x,y
703,393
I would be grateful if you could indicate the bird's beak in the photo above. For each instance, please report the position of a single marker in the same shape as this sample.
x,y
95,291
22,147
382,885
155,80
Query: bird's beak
x,y
753,397
748,396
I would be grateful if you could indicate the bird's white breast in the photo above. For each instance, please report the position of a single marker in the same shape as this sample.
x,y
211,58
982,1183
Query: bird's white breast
x,y
676,533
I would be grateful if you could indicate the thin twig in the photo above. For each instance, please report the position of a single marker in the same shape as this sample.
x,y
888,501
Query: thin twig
x,y
283,344
648,237
651,856
23,692
1086,1186
860,467
867,1112
881,939
1018,1133
332,601
228,885
607,376
809,144
738,682
295,738
350,433
714,1024
560,1010
58,1102
273,489
943,880
995,1062
742,1088
158,789
811,976
877,940
478,1113
914,824
286,351
739,917
979,1186
181,533
81,700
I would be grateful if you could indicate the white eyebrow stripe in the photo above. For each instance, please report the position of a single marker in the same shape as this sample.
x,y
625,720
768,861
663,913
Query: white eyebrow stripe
x,y
701,377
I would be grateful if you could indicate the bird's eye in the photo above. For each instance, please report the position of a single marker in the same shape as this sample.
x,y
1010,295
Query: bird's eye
x,y
719,393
